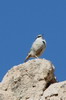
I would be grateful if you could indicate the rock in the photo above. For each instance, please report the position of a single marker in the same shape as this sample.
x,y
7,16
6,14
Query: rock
x,y
56,91
7,95
28,81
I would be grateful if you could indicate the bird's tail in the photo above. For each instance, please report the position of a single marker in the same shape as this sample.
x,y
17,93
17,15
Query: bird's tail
x,y
27,58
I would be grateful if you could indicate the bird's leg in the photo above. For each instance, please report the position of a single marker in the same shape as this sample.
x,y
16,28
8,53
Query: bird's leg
x,y
36,57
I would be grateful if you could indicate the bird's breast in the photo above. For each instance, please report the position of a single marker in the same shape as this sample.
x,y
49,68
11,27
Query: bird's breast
x,y
38,44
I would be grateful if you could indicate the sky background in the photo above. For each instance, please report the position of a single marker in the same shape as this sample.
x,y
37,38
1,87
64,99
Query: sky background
x,y
21,21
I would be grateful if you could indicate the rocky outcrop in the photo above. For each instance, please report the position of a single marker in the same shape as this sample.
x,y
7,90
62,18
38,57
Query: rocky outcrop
x,y
32,80
56,91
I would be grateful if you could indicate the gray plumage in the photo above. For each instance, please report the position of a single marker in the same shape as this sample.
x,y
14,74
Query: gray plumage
x,y
37,48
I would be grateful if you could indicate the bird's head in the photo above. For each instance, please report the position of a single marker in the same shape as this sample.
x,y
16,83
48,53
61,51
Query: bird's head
x,y
40,36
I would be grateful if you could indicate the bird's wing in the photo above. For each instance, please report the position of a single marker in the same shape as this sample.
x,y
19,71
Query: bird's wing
x,y
39,51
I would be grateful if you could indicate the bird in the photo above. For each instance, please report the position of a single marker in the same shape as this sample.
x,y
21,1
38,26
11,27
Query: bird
x,y
37,48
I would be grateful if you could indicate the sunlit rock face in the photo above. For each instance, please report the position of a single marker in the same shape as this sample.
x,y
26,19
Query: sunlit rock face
x,y
33,80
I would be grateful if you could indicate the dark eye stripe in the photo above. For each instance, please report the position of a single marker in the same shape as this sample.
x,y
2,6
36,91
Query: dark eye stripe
x,y
39,36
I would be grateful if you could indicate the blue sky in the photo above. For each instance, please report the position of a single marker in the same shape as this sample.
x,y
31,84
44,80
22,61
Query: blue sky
x,y
21,21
